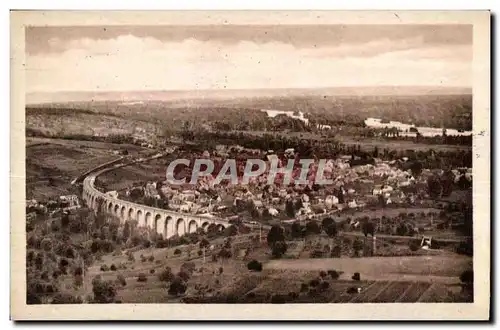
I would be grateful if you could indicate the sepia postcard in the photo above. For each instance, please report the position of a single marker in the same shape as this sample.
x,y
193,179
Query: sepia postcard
x,y
250,165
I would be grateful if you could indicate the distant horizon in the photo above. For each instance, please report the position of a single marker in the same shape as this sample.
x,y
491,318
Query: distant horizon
x,y
140,95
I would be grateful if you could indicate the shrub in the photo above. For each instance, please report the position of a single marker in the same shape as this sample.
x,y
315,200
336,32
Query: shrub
x,y
184,275
104,292
104,268
188,267
324,285
78,280
112,267
177,287
151,258
63,262
46,244
334,274
254,265
278,299
121,280
142,278
221,270
352,290
414,245
63,298
278,249
314,283
304,287
151,271
177,252
225,253
356,277
166,275
96,279
322,274
336,251
45,276
131,257
317,254
77,271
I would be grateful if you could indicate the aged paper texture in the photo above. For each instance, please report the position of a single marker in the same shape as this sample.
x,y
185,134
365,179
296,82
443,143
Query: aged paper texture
x,y
148,155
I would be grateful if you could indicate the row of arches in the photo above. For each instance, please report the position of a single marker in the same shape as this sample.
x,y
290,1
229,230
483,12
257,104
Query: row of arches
x,y
167,225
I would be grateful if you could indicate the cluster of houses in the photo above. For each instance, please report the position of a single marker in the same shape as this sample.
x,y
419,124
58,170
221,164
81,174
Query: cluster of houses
x,y
353,187
64,203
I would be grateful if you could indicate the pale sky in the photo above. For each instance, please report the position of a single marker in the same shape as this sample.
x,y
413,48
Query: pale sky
x,y
246,57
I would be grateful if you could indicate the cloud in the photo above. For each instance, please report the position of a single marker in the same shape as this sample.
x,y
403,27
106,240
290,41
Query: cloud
x,y
133,63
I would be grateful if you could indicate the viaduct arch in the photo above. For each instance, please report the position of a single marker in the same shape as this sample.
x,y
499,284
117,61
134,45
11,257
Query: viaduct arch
x,y
164,222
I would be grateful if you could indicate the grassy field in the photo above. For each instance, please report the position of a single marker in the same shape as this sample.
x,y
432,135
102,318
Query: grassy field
x,y
388,279
51,164
422,268
369,144
67,122
127,176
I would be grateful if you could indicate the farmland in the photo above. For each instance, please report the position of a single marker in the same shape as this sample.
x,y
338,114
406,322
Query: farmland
x,y
315,266
388,279
51,164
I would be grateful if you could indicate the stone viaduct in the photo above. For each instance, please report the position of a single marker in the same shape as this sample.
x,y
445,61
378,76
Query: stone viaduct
x,y
165,222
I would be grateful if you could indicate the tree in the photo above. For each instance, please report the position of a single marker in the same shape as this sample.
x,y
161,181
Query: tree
x,y
65,220
336,251
254,265
184,275
368,228
142,278
64,298
126,231
434,187
327,222
463,183
225,253
296,230
204,243
447,181
357,246
416,168
299,204
290,208
166,275
414,245
232,230
275,234
331,230
312,228
340,196
177,287
104,291
278,249
334,274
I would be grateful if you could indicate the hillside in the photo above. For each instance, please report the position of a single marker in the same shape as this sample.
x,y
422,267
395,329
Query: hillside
x,y
436,110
